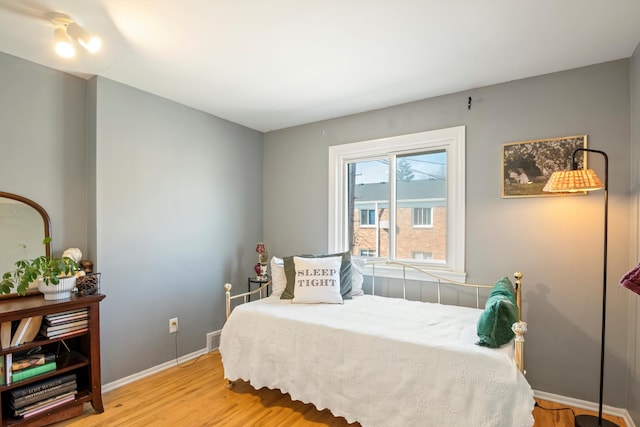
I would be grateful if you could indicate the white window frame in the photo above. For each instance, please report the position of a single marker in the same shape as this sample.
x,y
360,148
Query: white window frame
x,y
375,219
430,255
367,250
453,141
413,219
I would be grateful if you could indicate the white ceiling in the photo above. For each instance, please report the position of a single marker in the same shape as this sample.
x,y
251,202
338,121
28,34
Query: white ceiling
x,y
273,64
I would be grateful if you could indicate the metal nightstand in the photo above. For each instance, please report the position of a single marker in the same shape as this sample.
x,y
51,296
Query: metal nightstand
x,y
259,282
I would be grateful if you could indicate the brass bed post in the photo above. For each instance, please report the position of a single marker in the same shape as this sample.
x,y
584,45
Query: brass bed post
x,y
520,327
404,282
373,279
227,295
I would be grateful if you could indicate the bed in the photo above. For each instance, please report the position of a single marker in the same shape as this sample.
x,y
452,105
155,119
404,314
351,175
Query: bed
x,y
381,361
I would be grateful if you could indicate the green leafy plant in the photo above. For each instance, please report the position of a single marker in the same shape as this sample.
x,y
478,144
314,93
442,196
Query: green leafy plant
x,y
47,268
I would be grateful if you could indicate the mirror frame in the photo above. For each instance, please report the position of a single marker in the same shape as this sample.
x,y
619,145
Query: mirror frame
x,y
47,227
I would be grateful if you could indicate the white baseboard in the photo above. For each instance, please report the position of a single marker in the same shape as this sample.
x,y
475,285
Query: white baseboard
x,y
583,404
153,370
212,341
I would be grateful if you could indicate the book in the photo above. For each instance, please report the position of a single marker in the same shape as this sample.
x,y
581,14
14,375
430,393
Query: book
x,y
33,371
63,333
32,330
49,406
45,388
5,334
31,360
69,325
20,330
43,403
58,320
65,315
44,406
8,359
42,385
26,331
47,393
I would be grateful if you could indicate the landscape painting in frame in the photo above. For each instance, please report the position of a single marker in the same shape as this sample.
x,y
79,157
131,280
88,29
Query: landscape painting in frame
x,y
527,165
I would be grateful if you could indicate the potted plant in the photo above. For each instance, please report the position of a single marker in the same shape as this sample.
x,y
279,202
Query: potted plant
x,y
47,270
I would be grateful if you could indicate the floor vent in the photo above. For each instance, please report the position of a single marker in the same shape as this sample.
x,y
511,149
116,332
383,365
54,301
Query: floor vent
x,y
213,341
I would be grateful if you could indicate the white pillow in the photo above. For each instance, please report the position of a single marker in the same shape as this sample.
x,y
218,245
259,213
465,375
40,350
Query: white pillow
x,y
278,278
317,280
357,276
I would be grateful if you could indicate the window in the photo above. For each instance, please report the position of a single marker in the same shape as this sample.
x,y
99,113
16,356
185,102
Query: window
x,y
367,217
422,255
403,196
421,217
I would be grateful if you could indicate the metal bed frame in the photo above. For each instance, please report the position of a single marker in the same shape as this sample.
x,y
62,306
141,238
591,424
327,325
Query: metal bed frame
x,y
519,327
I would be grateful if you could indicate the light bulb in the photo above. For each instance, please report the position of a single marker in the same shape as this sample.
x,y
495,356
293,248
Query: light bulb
x,y
90,42
93,45
64,48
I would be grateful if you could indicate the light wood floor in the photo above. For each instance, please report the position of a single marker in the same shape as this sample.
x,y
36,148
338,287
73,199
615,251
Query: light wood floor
x,y
195,395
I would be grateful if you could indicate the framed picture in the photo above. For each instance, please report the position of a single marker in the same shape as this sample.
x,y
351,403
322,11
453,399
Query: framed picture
x,y
527,165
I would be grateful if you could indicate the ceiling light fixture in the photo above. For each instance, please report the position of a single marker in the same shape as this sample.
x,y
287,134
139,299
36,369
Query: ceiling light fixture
x,y
87,40
63,45
68,30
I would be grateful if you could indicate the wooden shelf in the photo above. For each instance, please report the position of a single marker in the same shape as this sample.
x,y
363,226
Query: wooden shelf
x,y
40,341
59,413
82,356
66,364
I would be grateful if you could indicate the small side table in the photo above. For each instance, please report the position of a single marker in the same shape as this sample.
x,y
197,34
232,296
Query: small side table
x,y
259,282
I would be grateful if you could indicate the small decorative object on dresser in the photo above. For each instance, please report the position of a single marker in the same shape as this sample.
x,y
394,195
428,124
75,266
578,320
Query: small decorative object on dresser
x,y
261,267
88,284
66,280
46,269
86,266
60,291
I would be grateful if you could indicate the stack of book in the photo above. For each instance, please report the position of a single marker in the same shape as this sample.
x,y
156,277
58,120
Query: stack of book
x,y
30,365
64,323
39,397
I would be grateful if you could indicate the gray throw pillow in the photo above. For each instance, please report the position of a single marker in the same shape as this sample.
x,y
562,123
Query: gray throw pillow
x,y
345,274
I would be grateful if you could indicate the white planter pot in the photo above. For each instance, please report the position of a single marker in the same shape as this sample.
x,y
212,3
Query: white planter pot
x,y
60,291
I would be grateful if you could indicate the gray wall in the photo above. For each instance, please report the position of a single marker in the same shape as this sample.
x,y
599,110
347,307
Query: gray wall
x,y
43,144
178,202
555,241
634,318
165,199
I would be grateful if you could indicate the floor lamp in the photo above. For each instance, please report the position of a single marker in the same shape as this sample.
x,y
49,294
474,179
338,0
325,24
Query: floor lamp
x,y
579,180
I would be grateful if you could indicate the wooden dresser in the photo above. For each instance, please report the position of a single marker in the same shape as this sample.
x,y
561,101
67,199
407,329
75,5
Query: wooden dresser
x,y
76,351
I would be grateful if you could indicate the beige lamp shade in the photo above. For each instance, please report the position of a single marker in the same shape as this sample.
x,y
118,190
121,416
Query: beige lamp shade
x,y
573,181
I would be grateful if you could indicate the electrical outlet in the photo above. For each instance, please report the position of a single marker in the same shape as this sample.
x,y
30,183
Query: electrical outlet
x,y
173,325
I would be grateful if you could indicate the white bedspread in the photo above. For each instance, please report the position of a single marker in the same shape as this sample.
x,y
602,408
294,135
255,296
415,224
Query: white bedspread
x,y
380,361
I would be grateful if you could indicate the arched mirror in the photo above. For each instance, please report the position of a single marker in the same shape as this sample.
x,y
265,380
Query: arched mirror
x,y
23,226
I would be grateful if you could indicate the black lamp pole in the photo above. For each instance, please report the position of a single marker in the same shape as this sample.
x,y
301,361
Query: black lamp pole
x,y
590,420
